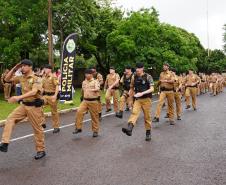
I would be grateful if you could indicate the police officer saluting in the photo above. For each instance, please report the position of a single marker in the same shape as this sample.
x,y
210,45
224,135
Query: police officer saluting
x,y
143,85
91,95
125,81
50,96
31,107
99,77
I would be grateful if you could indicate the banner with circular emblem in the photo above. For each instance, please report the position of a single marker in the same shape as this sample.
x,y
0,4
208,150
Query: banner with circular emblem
x,y
67,67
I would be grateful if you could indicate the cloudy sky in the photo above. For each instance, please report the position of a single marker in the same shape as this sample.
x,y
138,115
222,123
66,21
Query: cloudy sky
x,y
188,14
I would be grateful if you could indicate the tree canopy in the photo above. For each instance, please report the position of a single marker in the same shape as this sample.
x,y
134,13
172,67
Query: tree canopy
x,y
107,36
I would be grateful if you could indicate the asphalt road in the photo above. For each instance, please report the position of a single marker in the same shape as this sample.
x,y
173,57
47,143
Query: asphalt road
x,y
193,152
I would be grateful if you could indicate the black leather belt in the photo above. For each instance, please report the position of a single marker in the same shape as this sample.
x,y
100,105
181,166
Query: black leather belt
x,y
49,93
92,99
115,88
192,86
165,89
35,103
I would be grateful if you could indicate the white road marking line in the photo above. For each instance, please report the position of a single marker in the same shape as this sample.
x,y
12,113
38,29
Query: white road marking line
x,y
64,126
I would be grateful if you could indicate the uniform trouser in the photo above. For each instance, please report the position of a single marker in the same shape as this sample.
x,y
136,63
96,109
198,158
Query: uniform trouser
x,y
169,95
100,106
203,87
191,92
7,90
125,98
145,106
35,116
109,94
198,90
90,106
177,97
54,111
213,87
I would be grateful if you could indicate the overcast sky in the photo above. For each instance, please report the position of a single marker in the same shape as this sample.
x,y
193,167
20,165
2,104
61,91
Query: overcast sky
x,y
188,14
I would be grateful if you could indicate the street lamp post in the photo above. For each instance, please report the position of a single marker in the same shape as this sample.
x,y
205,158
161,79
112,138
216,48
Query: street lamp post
x,y
207,21
50,38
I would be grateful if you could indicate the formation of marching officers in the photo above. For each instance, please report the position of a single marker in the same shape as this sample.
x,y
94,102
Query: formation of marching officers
x,y
136,96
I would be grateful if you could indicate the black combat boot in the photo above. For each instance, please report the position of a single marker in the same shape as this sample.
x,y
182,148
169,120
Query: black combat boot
x,y
95,134
148,135
127,109
156,119
108,110
56,130
119,114
188,107
40,155
166,116
4,147
43,125
77,131
100,116
172,123
128,130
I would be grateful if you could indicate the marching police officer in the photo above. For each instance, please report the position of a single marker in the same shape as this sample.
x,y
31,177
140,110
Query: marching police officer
x,y
50,96
7,86
99,77
125,98
191,83
90,102
142,85
111,87
167,81
31,107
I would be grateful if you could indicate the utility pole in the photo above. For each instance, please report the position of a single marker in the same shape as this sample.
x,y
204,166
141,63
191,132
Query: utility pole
x,y
50,37
207,21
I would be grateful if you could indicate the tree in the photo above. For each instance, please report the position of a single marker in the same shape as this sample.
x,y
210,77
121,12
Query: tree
x,y
21,30
141,37
216,62
105,22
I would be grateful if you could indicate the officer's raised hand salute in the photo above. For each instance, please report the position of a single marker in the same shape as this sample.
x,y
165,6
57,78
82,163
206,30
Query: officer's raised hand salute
x,y
31,107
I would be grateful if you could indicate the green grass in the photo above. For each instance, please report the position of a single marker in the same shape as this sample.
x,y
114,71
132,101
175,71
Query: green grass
x,y
6,108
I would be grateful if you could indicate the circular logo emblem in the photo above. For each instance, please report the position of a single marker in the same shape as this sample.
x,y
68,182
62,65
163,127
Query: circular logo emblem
x,y
70,45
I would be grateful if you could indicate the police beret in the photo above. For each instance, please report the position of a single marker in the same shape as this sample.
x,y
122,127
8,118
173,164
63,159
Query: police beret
x,y
166,64
128,67
88,71
27,62
47,66
139,65
93,67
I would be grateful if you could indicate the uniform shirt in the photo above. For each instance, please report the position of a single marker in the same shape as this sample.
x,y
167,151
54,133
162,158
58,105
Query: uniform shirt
x,y
191,79
99,77
111,78
167,75
2,78
178,82
50,83
212,79
149,80
88,85
29,83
